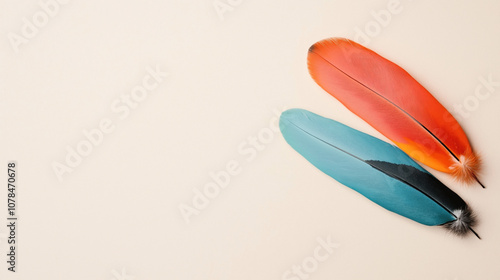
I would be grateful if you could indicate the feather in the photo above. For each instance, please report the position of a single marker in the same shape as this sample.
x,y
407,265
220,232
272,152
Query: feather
x,y
378,170
394,103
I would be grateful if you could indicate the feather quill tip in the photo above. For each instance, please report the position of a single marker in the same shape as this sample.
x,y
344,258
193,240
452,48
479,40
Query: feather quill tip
x,y
466,169
465,221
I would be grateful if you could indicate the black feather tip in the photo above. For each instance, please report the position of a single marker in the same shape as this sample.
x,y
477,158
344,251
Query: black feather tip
x,y
311,48
464,223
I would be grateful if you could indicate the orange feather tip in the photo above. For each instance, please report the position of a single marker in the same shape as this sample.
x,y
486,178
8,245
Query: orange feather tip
x,y
467,168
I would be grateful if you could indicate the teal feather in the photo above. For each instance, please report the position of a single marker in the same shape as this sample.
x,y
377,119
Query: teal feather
x,y
378,170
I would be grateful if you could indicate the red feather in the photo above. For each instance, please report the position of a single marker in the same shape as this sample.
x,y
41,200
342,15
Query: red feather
x,y
393,102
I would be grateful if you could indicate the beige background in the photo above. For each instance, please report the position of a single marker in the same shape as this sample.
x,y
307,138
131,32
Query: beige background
x,y
116,216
